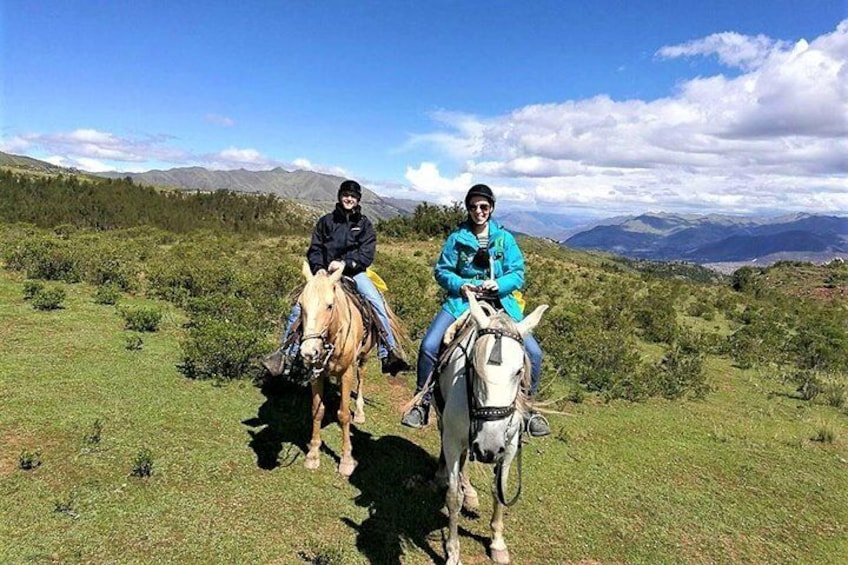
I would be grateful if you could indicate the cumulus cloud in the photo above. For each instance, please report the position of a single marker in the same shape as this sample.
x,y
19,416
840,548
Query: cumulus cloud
x,y
94,150
306,165
427,180
771,136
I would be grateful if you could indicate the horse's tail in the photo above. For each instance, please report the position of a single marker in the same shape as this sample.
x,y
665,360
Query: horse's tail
x,y
402,339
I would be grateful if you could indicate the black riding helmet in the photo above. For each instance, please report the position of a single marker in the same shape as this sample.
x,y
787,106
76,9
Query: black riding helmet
x,y
352,187
480,190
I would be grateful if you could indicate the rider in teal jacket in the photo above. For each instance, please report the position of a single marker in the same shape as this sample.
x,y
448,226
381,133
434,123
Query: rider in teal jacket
x,y
456,266
484,257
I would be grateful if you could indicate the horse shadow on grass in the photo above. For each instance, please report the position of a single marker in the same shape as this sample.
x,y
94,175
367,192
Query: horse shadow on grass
x,y
282,426
394,477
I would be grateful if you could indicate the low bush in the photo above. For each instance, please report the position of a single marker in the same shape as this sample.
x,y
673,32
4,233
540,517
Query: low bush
x,y
107,294
221,349
29,460
141,318
31,288
49,299
142,464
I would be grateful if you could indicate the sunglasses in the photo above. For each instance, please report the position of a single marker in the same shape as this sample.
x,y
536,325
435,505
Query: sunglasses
x,y
482,206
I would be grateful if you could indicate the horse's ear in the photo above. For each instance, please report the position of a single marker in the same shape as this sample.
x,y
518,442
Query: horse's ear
x,y
477,312
526,325
336,276
307,272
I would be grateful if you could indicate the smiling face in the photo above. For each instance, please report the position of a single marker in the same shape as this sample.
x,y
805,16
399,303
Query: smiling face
x,y
479,210
348,200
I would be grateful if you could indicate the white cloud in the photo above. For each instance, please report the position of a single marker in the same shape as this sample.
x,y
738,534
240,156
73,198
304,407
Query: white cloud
x,y
772,137
427,180
94,150
732,49
219,120
14,144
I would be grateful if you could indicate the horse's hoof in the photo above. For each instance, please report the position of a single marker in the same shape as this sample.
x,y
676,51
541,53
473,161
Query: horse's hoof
x,y
346,468
500,556
312,463
359,418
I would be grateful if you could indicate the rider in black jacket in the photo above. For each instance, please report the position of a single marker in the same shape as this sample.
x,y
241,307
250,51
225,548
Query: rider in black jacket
x,y
345,239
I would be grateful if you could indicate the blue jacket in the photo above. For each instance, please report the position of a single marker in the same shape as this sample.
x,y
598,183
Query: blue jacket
x,y
455,267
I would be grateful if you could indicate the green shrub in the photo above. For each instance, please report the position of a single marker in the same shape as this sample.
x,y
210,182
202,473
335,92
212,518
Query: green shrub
x,y
681,372
656,315
141,318
834,393
133,342
142,464
583,352
29,460
31,288
44,257
107,294
221,349
825,434
49,299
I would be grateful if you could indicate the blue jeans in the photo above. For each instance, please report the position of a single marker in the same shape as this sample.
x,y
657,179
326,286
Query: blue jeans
x,y
367,289
429,351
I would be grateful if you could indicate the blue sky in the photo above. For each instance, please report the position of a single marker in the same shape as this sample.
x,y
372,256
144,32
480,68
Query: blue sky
x,y
595,108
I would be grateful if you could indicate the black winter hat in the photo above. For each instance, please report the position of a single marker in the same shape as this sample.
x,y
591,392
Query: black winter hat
x,y
352,187
480,190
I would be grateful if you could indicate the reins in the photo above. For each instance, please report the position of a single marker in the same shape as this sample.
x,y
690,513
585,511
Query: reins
x,y
493,413
324,336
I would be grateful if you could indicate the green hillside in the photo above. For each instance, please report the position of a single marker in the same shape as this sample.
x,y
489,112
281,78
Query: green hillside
x,y
695,420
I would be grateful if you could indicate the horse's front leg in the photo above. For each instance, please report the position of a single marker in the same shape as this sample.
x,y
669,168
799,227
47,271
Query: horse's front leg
x,y
347,463
359,410
498,549
313,456
453,499
470,499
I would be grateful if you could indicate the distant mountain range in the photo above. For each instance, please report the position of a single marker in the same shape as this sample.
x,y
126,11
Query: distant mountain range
x,y
314,190
719,239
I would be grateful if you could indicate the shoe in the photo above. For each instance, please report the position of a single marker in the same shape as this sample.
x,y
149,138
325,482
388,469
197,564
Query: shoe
x,y
274,363
417,417
536,424
392,364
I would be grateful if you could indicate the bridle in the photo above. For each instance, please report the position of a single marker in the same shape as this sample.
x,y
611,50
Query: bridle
x,y
324,336
479,414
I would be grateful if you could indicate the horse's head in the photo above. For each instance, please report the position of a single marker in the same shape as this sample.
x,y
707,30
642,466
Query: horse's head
x,y
499,367
317,302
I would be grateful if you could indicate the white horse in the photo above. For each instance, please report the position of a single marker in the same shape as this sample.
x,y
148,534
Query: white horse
x,y
482,387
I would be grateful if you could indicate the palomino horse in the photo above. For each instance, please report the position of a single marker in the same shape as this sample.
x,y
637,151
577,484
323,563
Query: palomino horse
x,y
481,385
335,344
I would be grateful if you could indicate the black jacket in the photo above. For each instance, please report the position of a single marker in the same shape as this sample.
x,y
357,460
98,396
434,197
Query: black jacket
x,y
348,237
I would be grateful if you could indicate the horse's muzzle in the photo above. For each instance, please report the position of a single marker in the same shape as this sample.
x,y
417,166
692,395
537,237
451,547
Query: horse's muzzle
x,y
488,456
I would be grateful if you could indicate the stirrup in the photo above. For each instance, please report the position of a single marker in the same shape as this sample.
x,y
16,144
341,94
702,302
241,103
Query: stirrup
x,y
537,420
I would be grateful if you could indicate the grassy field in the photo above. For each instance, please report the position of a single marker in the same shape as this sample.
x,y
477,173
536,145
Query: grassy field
x,y
736,478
